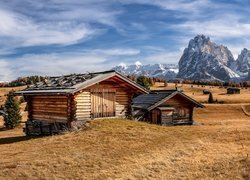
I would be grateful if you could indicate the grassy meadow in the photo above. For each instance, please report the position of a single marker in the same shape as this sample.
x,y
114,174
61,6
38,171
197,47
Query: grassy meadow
x,y
216,147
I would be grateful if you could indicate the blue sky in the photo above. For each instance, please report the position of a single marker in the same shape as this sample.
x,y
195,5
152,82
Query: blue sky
x,y
56,37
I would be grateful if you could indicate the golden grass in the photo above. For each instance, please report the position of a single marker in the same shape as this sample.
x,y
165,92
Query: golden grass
x,y
196,92
123,149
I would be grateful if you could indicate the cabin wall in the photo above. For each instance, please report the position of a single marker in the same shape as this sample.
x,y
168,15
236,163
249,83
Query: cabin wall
x,y
48,108
123,103
166,117
183,109
83,105
177,101
123,97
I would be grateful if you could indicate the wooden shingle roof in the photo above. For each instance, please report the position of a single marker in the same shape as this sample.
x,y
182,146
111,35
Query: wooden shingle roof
x,y
154,99
70,84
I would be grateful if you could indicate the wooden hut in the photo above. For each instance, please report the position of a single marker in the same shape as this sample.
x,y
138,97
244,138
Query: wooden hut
x,y
165,108
67,102
233,90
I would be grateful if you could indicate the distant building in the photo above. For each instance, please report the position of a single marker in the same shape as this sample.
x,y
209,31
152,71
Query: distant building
x,y
165,108
206,91
233,90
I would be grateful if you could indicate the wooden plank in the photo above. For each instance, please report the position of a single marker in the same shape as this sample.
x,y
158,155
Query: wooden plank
x,y
50,100
47,117
49,97
58,114
49,103
48,106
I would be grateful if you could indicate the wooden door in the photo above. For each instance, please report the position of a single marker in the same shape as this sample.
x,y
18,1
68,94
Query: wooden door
x,y
102,104
156,117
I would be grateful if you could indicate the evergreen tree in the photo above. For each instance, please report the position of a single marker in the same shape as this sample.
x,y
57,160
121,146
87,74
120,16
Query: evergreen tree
x,y
12,116
210,98
143,81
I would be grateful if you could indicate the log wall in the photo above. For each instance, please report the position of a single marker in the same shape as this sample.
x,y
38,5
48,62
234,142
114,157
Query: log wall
x,y
49,108
83,105
123,103
183,113
177,101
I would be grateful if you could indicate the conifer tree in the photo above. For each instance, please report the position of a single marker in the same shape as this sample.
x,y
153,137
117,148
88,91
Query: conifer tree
x,y
210,98
12,116
143,81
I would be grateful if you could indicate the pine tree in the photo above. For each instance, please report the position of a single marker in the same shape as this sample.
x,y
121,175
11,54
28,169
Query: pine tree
x,y
143,81
12,116
210,98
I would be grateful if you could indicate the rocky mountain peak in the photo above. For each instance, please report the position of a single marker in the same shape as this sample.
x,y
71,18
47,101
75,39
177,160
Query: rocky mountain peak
x,y
198,42
243,62
205,60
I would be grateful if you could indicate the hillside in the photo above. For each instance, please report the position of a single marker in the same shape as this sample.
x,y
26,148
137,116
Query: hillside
x,y
217,146
123,149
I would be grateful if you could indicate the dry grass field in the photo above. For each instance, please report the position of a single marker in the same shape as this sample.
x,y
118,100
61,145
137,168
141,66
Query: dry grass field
x,y
216,147
220,94
5,90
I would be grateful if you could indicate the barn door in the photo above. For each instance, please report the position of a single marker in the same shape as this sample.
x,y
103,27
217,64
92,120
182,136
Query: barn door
x,y
102,103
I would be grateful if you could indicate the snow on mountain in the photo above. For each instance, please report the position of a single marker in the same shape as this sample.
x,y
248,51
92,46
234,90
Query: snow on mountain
x,y
166,71
201,60
242,65
205,60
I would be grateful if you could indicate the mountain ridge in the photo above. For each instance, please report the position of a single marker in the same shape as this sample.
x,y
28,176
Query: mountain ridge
x,y
202,60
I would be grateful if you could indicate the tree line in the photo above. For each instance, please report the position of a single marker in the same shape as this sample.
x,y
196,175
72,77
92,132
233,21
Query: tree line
x,y
146,81
22,81
215,83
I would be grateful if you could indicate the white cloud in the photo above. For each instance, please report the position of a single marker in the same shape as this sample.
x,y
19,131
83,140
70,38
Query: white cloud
x,y
22,31
176,5
6,72
53,64
58,64
116,52
217,28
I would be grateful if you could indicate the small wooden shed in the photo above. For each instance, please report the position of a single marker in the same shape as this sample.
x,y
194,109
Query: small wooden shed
x,y
165,108
67,102
206,91
233,90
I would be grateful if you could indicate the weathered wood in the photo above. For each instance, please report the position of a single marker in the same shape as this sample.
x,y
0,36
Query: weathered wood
x,y
103,103
49,108
49,97
82,105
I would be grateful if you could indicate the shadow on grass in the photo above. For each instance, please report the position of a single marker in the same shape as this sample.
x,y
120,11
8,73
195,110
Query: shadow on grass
x,y
223,94
14,139
10,140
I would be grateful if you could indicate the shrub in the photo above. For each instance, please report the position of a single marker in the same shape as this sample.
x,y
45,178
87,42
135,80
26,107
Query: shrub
x,y
12,116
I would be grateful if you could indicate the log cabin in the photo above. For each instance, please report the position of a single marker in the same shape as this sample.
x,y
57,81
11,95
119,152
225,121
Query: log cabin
x,y
168,107
67,102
